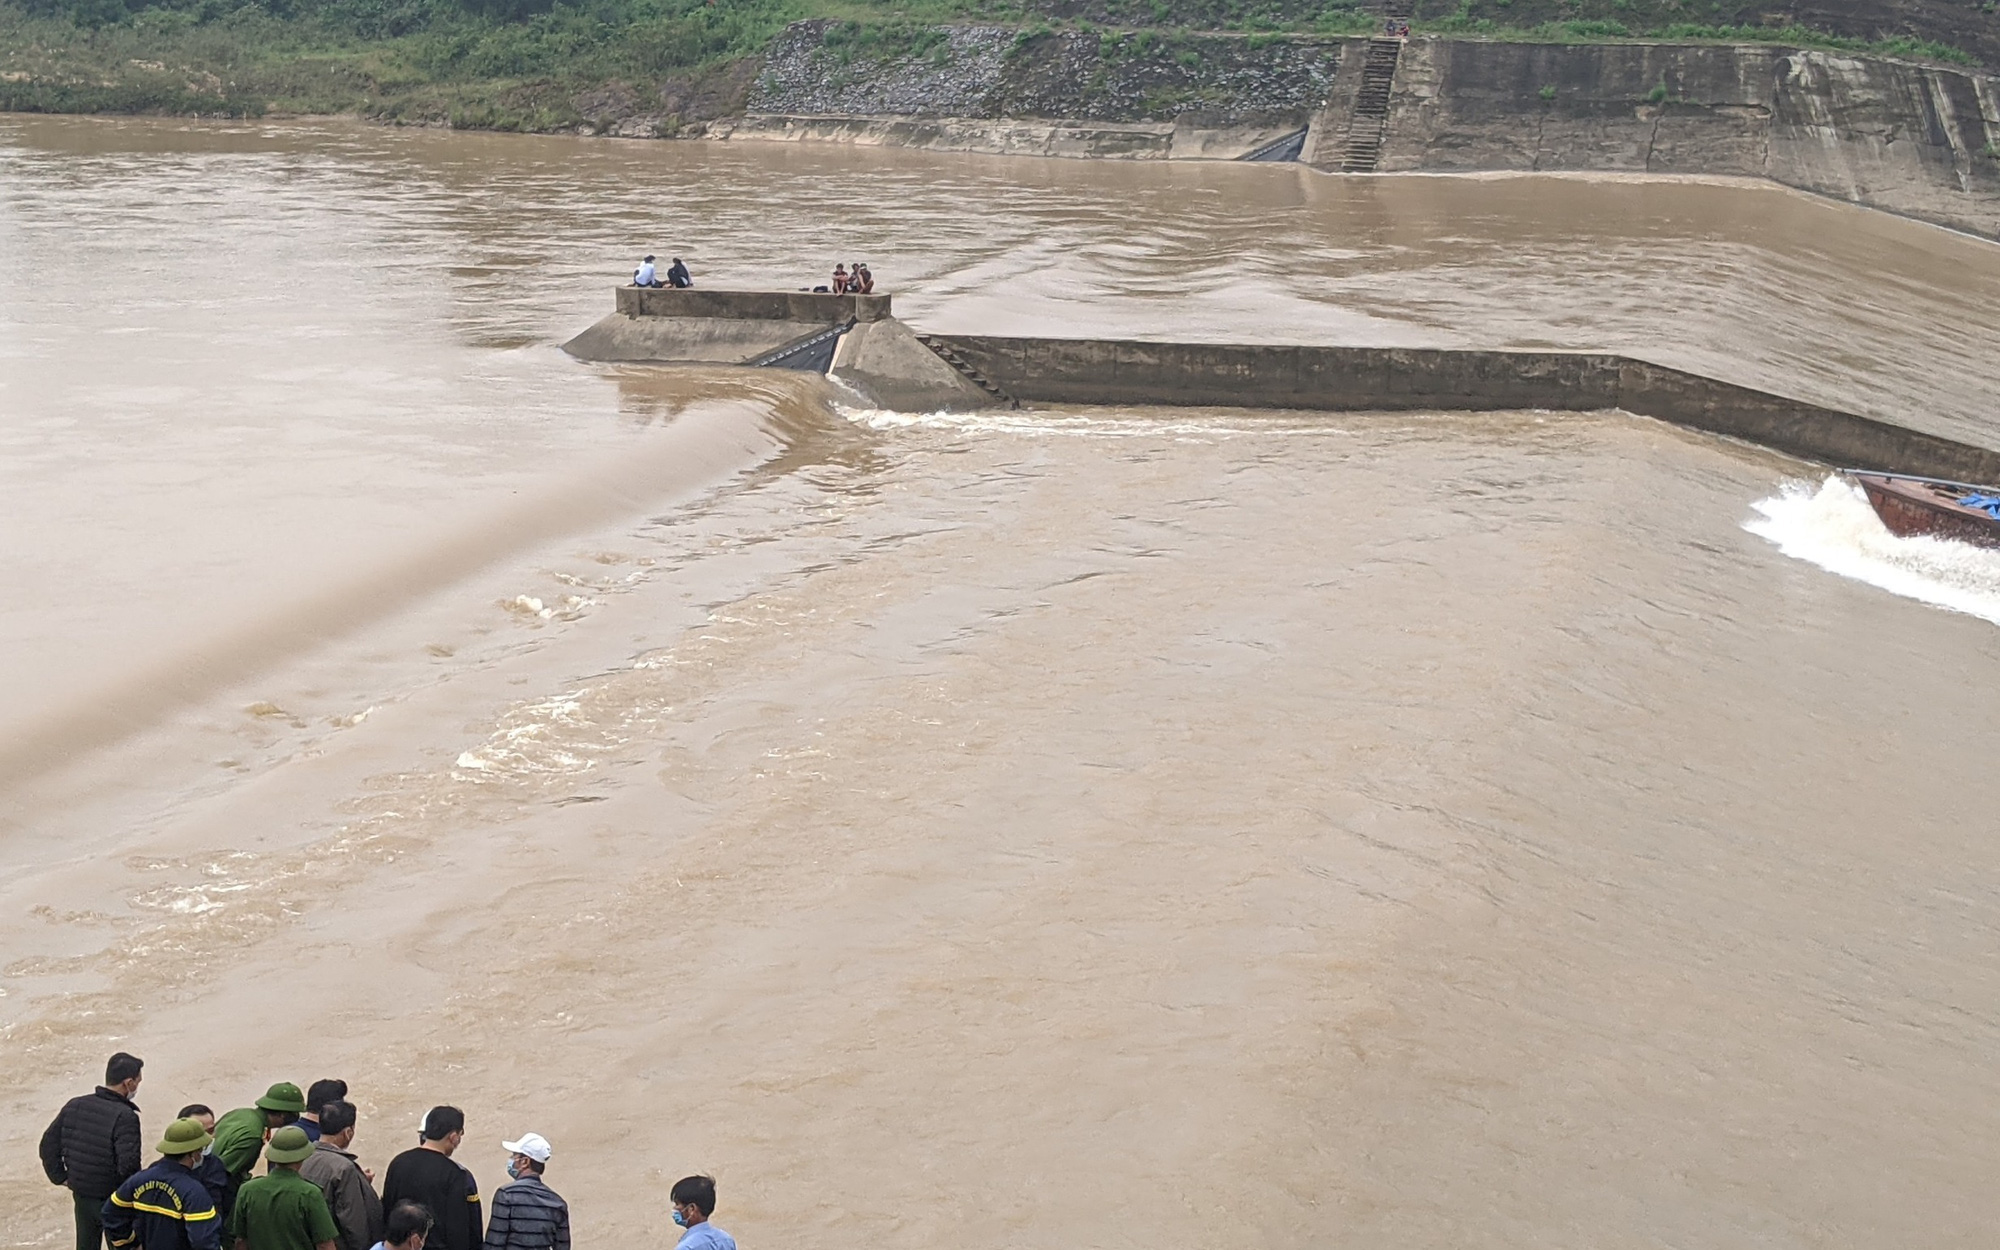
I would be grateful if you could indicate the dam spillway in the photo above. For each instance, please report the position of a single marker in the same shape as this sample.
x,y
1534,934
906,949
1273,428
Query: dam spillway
x,y
895,367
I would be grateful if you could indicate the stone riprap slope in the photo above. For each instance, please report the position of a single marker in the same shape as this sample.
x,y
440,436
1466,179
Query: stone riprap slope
x,y
820,69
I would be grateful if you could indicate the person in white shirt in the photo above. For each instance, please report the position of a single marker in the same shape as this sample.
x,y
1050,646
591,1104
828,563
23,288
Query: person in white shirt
x,y
645,275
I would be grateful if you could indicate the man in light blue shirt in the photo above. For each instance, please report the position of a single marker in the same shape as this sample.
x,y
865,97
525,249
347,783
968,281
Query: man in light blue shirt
x,y
646,275
694,1201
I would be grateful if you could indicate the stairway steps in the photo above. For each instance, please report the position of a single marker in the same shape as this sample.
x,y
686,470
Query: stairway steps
x,y
1370,118
944,352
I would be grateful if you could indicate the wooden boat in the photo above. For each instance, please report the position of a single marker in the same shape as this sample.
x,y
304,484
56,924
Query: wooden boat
x,y
1925,505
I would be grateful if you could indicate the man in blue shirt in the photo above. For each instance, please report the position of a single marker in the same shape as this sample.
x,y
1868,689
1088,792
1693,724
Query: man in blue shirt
x,y
165,1207
694,1201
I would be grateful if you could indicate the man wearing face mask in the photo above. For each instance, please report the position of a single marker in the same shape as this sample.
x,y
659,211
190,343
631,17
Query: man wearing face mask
x,y
349,1187
427,1174
528,1215
694,1201
208,1169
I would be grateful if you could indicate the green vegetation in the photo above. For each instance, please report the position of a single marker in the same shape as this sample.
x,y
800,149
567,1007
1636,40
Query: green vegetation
x,y
558,64
1666,19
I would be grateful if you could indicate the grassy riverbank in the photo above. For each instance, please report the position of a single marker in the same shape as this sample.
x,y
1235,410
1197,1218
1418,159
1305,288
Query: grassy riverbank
x,y
559,64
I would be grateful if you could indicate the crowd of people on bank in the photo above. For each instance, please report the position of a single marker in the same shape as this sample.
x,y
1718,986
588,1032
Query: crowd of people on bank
x,y
203,1192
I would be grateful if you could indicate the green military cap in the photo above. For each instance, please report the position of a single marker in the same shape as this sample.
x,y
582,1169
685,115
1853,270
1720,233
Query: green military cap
x,y
184,1137
284,1096
288,1145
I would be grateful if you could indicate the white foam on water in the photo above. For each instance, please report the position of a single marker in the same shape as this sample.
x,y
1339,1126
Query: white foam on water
x,y
1832,526
1044,422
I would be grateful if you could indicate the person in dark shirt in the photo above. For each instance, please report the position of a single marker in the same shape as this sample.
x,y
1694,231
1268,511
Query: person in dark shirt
x,y
528,1215
92,1146
317,1096
208,1169
678,275
427,1174
165,1207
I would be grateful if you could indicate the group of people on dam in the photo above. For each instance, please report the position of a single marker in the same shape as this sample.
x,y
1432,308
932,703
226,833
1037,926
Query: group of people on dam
x,y
847,279
203,1193
648,274
855,281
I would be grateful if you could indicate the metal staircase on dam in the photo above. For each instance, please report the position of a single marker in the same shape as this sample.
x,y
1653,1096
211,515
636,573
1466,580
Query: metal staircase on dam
x,y
1371,107
965,369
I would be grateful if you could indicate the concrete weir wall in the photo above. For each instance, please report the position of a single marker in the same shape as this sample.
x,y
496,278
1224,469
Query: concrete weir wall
x,y
662,325
1368,379
886,362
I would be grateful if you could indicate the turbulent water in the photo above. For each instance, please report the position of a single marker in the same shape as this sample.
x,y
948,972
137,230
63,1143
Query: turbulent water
x,y
1133,828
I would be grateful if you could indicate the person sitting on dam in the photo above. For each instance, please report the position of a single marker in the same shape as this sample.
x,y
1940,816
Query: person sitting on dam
x,y
861,282
678,276
840,280
645,275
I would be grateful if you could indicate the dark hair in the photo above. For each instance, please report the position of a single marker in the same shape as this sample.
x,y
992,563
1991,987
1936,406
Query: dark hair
x,y
279,1119
122,1068
442,1122
336,1117
193,1108
649,258
324,1092
406,1220
700,1190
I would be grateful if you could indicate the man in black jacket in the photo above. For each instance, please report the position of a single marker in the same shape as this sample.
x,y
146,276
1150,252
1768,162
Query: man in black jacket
x,y
92,1145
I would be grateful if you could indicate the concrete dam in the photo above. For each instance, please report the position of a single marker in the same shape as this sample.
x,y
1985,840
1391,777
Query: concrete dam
x,y
857,340
1919,140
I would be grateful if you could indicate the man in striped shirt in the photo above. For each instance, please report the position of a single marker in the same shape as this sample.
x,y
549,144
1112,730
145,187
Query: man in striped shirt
x,y
528,1215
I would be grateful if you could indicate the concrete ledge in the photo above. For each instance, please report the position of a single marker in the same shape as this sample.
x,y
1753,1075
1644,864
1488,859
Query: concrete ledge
x,y
1363,379
801,306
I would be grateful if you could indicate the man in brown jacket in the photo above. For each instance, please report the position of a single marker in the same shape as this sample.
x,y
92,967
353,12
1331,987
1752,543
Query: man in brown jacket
x,y
349,1187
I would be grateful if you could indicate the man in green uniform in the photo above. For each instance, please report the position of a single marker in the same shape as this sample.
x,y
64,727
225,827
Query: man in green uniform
x,y
283,1211
240,1134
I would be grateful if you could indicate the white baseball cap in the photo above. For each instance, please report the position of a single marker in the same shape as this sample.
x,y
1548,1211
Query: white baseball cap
x,y
533,1145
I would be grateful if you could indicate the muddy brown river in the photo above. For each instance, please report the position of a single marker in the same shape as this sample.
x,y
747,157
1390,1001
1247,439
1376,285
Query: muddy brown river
x,y
1137,828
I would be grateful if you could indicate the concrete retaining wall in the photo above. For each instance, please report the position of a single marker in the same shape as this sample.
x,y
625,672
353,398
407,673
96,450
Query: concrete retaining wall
x,y
1361,379
1914,139
802,306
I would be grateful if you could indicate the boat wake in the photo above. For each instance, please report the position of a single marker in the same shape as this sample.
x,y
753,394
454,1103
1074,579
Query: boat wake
x,y
1832,526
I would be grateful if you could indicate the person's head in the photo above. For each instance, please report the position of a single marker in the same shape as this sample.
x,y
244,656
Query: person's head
x,y
839,268
184,1141
693,1198
320,1093
649,260
406,1226
196,1111
281,1105
677,260
529,1156
122,1073
289,1147
336,1122
444,1128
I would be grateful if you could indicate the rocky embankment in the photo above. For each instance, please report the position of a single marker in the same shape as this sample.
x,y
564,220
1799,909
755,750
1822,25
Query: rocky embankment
x,y
1914,139
1056,93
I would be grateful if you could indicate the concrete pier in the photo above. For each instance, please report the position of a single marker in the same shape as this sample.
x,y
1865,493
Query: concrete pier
x,y
661,325
882,359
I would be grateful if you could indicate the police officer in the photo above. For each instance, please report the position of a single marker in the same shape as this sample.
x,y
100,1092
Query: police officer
x,y
165,1207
